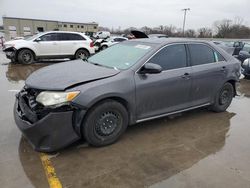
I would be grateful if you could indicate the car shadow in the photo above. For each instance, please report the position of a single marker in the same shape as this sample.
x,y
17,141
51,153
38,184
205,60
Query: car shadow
x,y
147,153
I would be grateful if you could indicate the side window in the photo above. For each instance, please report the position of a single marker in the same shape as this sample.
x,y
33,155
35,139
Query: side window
x,y
71,36
49,37
201,54
77,37
218,57
171,57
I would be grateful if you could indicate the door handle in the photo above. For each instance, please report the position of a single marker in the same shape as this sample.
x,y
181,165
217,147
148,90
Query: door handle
x,y
186,76
223,69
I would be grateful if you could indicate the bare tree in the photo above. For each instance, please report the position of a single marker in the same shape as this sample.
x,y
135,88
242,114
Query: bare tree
x,y
205,32
238,20
222,27
190,33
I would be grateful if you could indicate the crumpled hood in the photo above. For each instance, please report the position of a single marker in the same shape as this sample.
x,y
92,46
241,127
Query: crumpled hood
x,y
61,76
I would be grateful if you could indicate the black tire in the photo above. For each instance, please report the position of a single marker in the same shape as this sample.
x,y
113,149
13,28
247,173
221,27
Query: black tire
x,y
13,60
105,123
81,54
223,98
25,56
104,47
247,77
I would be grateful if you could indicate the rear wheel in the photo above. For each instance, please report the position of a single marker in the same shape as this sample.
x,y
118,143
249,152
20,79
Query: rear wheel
x,y
223,98
81,54
25,56
105,123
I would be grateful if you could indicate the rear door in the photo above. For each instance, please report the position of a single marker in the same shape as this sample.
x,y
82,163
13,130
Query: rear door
x,y
168,91
70,43
209,73
48,45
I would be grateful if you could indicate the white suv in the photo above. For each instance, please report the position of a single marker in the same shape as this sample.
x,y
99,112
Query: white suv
x,y
49,45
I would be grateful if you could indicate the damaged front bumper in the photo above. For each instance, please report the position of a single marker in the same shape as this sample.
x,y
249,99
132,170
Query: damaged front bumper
x,y
10,52
52,132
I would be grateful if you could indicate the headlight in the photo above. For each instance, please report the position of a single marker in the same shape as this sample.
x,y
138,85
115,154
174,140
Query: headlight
x,y
49,98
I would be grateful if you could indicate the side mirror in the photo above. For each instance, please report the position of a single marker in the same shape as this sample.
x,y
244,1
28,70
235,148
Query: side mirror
x,y
38,40
151,68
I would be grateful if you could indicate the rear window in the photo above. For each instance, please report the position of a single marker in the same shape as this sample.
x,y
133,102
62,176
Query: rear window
x,y
246,48
71,36
201,54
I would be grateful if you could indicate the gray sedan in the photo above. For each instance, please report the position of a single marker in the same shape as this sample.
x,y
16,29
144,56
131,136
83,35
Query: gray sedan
x,y
130,82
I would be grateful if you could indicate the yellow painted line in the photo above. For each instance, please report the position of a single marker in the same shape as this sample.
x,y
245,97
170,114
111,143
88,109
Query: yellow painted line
x,y
50,172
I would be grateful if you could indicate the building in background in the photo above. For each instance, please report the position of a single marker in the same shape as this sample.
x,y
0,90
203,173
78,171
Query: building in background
x,y
19,27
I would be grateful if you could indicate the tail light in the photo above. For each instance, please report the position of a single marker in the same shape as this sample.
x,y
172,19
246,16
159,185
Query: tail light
x,y
92,44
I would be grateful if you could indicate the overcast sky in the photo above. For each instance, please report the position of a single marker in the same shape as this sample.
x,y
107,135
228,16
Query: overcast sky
x,y
137,13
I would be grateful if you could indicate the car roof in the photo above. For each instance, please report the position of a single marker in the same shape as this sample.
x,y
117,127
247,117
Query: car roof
x,y
163,41
63,32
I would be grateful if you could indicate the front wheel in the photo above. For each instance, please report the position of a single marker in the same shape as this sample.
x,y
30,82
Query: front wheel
x,y
25,57
223,98
105,123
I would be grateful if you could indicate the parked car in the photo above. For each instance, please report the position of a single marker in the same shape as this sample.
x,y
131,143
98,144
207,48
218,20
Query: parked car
x,y
225,47
49,45
232,48
131,82
244,53
157,36
138,34
102,35
102,44
246,68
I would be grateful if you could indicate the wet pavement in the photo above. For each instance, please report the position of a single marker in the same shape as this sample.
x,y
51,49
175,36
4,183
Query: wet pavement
x,y
194,149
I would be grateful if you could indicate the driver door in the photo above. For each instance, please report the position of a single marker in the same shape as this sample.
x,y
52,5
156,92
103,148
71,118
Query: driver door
x,y
47,45
168,91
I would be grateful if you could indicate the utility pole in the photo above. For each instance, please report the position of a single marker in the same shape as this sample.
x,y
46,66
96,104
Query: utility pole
x,y
184,20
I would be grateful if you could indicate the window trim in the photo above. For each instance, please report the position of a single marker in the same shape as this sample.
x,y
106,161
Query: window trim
x,y
187,55
47,40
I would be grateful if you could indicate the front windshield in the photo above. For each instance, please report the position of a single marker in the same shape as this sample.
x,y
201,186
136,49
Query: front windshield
x,y
121,56
33,37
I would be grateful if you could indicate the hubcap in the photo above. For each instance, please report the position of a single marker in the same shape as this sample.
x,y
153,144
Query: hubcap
x,y
107,123
26,57
81,55
225,95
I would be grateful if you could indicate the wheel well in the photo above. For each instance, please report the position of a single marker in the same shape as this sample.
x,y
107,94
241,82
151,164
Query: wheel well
x,y
117,99
105,45
82,49
233,82
19,50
